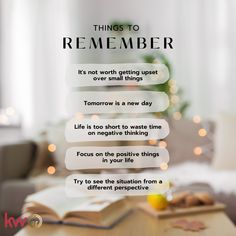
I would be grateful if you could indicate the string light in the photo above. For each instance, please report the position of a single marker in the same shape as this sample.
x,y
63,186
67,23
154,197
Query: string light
x,y
202,132
197,151
207,149
52,147
51,170
162,144
197,119
177,115
164,166
152,141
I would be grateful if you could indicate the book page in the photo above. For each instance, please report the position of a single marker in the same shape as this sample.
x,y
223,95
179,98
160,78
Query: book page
x,y
55,199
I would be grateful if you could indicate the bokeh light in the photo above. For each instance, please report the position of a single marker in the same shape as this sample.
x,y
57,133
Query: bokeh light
x,y
173,89
162,144
177,115
174,99
171,82
202,132
164,166
51,170
197,151
152,141
197,119
52,147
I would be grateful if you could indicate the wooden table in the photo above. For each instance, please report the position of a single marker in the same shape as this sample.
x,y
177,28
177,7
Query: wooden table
x,y
139,223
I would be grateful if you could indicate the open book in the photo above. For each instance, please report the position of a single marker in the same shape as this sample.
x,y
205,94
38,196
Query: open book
x,y
54,207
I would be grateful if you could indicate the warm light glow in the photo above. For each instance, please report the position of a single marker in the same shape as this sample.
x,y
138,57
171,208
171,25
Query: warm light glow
x,y
173,89
162,144
174,99
52,147
4,119
94,117
10,111
171,82
164,166
79,115
197,151
51,170
197,119
177,115
152,141
202,132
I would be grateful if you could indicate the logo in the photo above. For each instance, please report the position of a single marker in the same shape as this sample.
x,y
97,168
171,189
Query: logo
x,y
11,222
35,221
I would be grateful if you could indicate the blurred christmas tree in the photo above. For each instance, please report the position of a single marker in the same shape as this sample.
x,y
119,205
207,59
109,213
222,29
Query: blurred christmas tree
x,y
178,106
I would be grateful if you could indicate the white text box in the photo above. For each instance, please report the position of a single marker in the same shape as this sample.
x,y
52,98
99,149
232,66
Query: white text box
x,y
79,75
115,129
117,102
78,158
115,184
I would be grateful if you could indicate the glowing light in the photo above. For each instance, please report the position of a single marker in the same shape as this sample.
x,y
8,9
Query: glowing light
x,y
162,144
51,170
152,141
174,99
10,111
171,82
52,147
164,166
94,117
202,132
177,115
4,119
173,89
197,151
79,115
197,119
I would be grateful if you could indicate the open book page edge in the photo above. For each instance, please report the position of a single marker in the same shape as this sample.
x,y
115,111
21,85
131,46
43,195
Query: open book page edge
x,y
55,199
